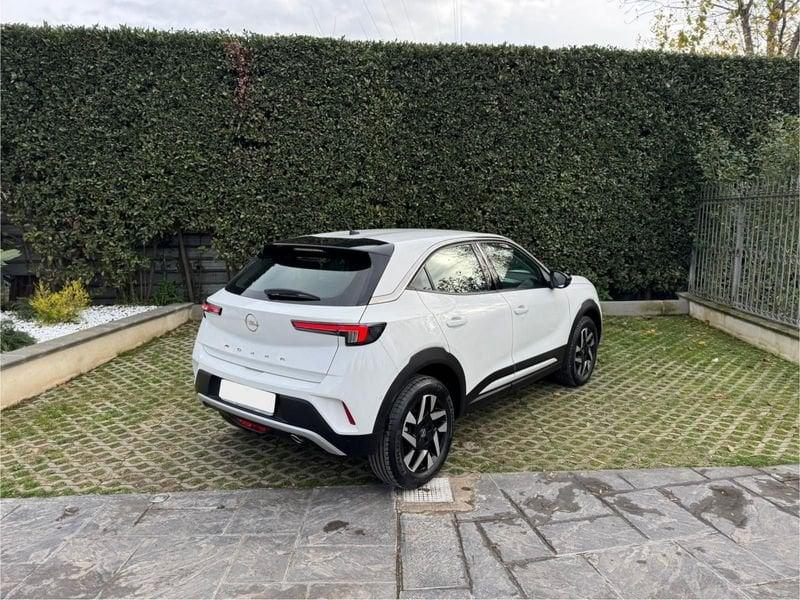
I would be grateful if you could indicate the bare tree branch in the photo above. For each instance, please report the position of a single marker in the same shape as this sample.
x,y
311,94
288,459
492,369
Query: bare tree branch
x,y
728,26
792,49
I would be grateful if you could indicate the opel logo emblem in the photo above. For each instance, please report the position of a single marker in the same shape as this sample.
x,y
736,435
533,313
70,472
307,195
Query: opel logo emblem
x,y
251,322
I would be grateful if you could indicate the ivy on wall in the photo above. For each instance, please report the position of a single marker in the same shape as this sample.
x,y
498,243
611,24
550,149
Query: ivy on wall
x,y
113,138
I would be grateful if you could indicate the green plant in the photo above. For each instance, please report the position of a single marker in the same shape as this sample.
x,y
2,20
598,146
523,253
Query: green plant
x,y
777,155
166,293
11,338
114,138
22,308
772,152
59,307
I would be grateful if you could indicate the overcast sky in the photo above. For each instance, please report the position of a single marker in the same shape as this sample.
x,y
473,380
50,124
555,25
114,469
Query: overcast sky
x,y
538,22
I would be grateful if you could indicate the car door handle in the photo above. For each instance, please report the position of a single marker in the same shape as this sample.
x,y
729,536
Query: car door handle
x,y
455,321
520,310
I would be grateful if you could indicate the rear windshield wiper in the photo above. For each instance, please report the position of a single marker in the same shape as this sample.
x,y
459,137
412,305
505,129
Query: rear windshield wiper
x,y
281,294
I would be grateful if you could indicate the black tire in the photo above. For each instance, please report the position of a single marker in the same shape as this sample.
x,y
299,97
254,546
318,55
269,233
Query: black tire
x,y
393,458
581,355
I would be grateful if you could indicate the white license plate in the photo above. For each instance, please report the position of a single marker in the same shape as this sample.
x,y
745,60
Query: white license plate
x,y
243,395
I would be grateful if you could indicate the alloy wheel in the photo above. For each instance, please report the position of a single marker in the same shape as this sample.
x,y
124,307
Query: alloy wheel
x,y
585,352
424,434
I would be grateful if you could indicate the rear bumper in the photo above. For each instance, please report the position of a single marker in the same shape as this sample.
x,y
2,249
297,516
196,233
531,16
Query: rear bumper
x,y
292,415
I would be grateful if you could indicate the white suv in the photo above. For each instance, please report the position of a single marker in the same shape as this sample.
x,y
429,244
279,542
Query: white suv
x,y
373,342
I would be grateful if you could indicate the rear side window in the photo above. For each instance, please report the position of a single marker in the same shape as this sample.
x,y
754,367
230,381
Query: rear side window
x,y
327,276
456,270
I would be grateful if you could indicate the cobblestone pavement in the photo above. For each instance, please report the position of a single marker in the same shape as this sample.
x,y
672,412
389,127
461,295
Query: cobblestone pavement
x,y
668,391
719,532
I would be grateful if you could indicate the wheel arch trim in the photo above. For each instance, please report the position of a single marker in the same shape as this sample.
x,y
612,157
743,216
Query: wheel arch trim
x,y
587,308
420,360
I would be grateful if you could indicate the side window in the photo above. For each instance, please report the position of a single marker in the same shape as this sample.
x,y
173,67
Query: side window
x,y
456,270
513,268
421,282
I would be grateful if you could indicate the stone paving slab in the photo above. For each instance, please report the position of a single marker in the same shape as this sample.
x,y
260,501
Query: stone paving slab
x,y
657,517
733,533
563,577
431,551
489,576
660,570
549,497
731,509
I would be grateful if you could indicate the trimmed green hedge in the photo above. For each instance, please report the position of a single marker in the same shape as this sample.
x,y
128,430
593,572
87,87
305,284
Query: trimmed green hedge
x,y
114,138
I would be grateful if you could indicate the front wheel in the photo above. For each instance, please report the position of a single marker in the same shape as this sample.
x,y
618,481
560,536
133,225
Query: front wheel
x,y
581,355
411,447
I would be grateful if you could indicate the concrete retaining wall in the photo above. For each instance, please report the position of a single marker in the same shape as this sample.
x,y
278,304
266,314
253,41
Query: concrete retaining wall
x,y
32,370
778,339
645,308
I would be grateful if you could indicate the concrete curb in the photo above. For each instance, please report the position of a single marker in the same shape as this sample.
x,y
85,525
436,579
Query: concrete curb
x,y
32,370
645,308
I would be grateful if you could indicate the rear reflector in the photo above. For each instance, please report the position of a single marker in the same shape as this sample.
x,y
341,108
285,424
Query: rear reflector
x,y
349,415
354,334
212,308
257,427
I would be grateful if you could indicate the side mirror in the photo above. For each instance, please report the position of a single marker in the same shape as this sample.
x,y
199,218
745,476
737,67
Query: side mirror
x,y
559,280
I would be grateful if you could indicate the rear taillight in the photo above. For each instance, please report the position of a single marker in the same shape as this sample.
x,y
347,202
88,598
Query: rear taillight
x,y
353,334
212,308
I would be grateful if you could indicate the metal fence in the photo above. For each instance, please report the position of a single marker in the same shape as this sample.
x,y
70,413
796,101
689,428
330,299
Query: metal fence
x,y
746,250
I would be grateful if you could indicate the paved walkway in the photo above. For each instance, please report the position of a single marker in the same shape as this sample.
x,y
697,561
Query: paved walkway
x,y
716,532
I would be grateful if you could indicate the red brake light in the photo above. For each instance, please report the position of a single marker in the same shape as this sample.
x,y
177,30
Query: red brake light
x,y
354,334
212,308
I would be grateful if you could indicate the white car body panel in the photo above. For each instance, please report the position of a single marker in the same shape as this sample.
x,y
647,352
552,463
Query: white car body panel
x,y
478,330
542,320
324,372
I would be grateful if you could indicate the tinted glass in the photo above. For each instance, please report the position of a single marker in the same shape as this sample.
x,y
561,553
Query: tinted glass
x,y
421,281
515,270
456,270
330,276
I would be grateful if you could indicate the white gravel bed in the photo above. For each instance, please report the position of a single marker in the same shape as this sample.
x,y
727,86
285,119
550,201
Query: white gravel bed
x,y
94,315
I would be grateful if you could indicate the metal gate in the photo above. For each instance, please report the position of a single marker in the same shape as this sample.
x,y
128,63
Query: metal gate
x,y
747,249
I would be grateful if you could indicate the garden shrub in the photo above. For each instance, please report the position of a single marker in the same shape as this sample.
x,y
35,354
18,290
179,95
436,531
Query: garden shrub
x,y
22,309
774,153
59,307
12,339
166,292
113,138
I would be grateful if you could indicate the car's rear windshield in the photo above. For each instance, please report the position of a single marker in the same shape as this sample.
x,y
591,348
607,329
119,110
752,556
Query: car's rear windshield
x,y
327,276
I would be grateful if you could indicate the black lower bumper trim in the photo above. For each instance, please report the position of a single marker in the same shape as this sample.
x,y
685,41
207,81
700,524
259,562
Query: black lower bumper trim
x,y
294,412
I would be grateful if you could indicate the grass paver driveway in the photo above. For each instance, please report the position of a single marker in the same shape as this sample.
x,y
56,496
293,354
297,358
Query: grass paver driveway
x,y
668,391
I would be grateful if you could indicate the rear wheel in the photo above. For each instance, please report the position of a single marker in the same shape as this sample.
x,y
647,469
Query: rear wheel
x,y
413,443
581,354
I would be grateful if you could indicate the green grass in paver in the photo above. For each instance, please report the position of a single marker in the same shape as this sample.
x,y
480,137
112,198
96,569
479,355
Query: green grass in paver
x,y
668,391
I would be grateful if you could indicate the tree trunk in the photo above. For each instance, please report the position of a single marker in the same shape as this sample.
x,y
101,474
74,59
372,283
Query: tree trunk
x,y
791,51
744,20
187,268
774,17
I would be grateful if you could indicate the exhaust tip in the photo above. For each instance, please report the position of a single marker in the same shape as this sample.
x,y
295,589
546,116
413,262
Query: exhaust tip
x,y
297,439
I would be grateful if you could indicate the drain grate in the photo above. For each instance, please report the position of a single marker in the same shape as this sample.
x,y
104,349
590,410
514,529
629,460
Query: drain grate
x,y
436,490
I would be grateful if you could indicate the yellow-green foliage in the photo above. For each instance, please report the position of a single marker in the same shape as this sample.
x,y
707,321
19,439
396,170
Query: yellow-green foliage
x,y
59,307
